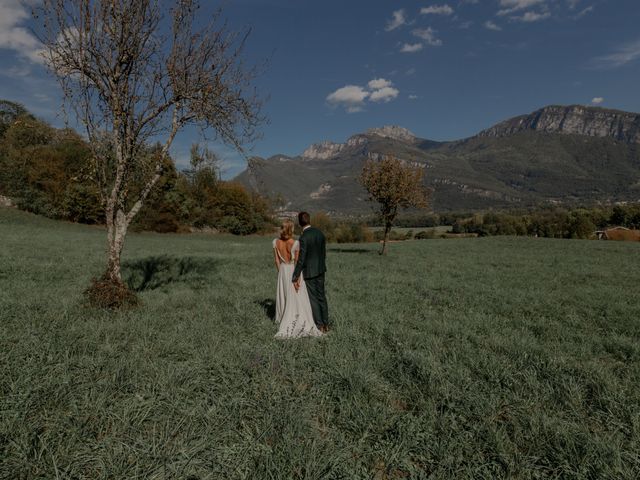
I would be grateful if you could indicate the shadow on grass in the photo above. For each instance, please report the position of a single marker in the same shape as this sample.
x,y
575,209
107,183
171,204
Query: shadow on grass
x,y
269,307
350,250
154,272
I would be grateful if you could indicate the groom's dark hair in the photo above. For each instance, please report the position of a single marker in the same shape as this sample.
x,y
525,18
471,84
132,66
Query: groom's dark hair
x,y
304,219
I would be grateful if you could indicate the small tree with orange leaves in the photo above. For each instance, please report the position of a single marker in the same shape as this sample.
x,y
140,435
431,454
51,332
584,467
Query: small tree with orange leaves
x,y
394,184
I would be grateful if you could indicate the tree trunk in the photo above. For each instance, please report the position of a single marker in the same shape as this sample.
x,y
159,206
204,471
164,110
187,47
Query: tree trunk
x,y
116,233
387,229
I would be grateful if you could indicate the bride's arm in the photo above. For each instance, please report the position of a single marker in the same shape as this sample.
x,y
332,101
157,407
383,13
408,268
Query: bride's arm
x,y
276,259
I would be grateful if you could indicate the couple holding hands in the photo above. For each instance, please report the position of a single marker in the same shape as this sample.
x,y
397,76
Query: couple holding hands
x,y
301,303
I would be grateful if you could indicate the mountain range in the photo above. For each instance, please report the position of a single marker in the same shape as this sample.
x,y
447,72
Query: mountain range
x,y
559,154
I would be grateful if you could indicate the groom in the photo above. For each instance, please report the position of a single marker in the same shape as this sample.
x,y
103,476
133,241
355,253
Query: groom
x,y
311,263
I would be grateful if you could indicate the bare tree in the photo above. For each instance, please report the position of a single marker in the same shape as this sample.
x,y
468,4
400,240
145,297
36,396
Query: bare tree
x,y
134,76
393,184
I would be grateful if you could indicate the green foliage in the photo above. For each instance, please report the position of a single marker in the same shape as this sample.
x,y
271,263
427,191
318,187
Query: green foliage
x,y
495,358
336,231
82,204
551,222
45,171
49,172
238,212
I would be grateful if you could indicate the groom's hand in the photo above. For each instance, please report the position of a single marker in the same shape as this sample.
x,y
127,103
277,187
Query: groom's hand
x,y
296,284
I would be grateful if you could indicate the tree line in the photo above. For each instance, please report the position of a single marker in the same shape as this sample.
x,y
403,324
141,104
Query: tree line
x,y
556,222
543,221
48,171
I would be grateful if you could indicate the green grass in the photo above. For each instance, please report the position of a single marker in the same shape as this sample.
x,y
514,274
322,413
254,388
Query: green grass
x,y
470,358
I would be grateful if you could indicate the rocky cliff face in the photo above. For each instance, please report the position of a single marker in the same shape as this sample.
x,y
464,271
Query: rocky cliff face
x,y
323,150
573,119
327,150
394,132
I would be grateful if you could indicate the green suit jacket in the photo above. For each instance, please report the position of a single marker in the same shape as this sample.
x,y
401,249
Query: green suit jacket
x,y
313,254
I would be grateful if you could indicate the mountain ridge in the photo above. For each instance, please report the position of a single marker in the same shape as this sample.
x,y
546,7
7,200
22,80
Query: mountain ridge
x,y
557,154
573,119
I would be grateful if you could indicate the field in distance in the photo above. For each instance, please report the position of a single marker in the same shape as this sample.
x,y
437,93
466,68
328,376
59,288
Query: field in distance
x,y
495,357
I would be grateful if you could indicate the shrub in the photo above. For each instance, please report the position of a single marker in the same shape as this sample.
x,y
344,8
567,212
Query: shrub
x,y
341,232
82,204
425,234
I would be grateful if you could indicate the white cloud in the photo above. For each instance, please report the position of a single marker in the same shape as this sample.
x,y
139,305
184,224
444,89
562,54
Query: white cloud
x,y
437,10
413,97
510,6
428,35
623,55
584,12
411,47
14,36
399,19
530,17
597,100
385,94
353,98
489,25
378,83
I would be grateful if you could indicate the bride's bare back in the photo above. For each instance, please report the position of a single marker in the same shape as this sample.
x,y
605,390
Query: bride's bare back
x,y
284,248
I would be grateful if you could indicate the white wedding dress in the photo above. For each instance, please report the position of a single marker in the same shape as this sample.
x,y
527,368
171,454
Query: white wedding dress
x,y
293,309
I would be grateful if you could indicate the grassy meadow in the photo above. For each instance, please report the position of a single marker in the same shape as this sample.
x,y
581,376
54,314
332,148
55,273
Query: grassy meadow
x,y
462,358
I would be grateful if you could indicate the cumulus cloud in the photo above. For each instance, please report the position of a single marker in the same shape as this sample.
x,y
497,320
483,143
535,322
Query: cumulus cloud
x,y
398,19
489,25
597,100
428,35
13,35
437,10
411,47
413,97
378,83
530,17
385,94
353,98
623,55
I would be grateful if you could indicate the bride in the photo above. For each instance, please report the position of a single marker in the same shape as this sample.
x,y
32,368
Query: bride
x,y
293,310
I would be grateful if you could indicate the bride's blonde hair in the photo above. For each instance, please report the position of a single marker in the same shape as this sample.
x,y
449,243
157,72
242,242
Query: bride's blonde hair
x,y
286,230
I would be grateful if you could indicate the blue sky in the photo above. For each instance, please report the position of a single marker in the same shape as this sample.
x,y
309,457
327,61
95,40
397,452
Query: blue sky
x,y
443,69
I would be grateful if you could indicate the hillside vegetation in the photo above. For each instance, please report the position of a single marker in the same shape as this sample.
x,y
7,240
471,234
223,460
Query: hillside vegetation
x,y
496,357
515,164
50,172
